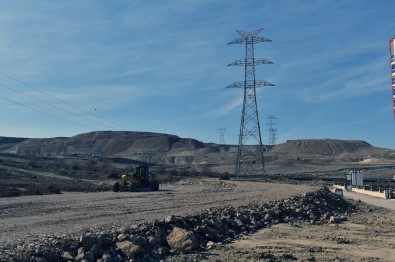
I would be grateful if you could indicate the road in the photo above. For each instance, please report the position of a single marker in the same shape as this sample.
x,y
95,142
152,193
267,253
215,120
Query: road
x,y
386,203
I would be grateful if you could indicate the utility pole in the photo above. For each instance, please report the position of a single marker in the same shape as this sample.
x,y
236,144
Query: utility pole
x,y
272,130
250,160
222,131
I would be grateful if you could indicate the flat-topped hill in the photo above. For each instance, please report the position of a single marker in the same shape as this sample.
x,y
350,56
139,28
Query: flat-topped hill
x,y
106,143
187,153
328,147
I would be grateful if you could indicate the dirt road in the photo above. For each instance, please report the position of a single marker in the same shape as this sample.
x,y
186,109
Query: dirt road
x,y
23,218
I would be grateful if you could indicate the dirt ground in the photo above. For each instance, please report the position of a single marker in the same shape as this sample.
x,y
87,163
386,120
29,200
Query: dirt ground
x,y
29,217
367,235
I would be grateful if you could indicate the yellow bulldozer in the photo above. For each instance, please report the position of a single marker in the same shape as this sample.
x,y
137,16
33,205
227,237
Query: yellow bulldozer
x,y
140,180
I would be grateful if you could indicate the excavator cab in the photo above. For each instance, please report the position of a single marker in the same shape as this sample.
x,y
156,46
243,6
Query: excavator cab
x,y
142,174
140,180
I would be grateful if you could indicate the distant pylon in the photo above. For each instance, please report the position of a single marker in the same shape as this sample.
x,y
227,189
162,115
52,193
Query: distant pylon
x,y
272,130
222,131
250,160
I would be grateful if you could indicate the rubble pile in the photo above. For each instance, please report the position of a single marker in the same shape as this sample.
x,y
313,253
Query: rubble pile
x,y
214,183
152,241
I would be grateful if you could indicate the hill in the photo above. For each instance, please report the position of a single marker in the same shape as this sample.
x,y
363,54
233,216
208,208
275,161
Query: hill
x,y
106,143
327,147
171,151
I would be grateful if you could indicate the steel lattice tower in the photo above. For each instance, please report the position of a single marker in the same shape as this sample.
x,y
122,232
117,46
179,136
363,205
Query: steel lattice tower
x,y
222,131
250,161
272,130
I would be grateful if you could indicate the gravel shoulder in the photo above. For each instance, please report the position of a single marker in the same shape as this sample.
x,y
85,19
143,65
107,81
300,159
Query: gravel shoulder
x,y
25,218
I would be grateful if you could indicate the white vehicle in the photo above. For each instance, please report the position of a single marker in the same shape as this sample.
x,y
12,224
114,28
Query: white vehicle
x,y
339,192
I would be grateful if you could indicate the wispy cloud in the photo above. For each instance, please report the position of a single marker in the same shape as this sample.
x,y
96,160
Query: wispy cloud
x,y
138,60
225,109
354,81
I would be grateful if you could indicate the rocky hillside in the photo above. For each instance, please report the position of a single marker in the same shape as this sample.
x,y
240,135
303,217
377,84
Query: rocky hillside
x,y
157,148
6,143
327,147
173,151
106,143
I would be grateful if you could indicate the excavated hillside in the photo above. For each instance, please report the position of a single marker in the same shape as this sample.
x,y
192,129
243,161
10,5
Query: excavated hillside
x,y
106,143
6,143
155,148
326,147
185,153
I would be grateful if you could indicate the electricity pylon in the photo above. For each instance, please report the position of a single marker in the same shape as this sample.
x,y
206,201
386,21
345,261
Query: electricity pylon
x,y
272,130
222,133
250,160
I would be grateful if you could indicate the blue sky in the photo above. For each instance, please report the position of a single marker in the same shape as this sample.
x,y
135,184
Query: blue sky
x,y
69,67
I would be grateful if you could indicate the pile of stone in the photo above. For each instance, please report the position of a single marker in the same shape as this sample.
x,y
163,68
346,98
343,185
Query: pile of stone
x,y
216,184
155,240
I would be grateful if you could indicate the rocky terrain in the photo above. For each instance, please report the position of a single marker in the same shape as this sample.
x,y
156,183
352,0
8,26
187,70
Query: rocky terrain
x,y
172,236
192,217
367,234
173,152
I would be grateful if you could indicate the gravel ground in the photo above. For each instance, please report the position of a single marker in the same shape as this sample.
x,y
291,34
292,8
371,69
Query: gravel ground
x,y
367,235
25,218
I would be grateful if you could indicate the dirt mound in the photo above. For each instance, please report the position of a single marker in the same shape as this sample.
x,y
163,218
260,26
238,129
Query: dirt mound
x,y
328,147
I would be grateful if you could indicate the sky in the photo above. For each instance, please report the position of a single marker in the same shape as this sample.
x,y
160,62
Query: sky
x,y
71,67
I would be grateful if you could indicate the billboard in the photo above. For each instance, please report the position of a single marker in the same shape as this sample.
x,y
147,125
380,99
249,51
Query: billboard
x,y
392,68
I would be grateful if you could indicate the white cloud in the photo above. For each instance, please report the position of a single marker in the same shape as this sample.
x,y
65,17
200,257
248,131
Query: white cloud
x,y
171,56
349,82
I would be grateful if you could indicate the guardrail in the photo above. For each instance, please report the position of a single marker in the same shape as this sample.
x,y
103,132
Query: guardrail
x,y
371,191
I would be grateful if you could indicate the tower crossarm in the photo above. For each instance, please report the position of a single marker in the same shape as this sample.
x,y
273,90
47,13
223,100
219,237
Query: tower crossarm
x,y
249,34
249,40
249,62
242,84
260,83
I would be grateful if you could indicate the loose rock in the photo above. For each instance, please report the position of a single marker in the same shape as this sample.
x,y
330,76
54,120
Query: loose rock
x,y
181,240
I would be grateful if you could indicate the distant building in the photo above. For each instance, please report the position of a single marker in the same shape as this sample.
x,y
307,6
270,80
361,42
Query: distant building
x,y
354,179
392,65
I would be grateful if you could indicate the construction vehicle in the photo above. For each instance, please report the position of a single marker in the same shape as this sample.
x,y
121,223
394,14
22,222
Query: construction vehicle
x,y
140,180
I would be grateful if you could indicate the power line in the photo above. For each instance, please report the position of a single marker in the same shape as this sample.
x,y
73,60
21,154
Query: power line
x,y
43,112
54,106
65,102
